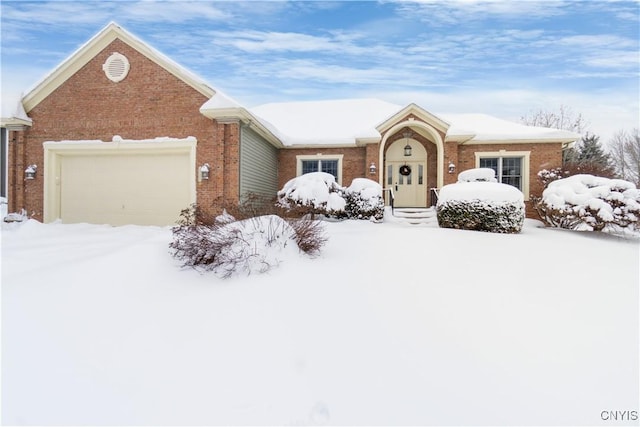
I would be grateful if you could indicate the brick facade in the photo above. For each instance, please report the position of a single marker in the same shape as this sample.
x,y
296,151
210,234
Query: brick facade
x,y
150,102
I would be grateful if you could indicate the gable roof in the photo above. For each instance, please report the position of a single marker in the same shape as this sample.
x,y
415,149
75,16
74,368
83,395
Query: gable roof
x,y
91,48
347,122
417,111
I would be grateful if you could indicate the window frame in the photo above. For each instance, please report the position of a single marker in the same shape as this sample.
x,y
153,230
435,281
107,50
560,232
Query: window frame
x,y
524,155
319,158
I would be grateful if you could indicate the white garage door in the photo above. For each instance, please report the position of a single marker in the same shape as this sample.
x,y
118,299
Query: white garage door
x,y
118,187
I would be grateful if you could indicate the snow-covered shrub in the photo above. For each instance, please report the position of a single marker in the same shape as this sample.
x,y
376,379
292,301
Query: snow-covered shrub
x,y
227,246
318,193
477,175
547,176
364,200
314,193
481,206
590,203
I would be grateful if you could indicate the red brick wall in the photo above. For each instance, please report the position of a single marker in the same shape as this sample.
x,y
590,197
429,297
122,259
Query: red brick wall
x,y
16,165
150,102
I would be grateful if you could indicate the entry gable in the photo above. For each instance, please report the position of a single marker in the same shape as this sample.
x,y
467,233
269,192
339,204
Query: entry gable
x,y
417,111
95,45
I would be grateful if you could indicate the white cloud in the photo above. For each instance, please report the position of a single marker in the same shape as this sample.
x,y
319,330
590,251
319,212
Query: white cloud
x,y
439,12
263,42
49,14
68,13
172,12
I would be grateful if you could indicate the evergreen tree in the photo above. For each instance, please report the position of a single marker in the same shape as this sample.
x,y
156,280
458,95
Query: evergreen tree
x,y
590,150
589,157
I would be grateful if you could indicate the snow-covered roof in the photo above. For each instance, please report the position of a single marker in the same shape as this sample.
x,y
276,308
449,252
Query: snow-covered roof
x,y
329,122
345,121
489,128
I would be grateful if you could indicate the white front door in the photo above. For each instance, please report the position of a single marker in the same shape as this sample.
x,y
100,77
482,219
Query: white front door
x,y
409,183
407,175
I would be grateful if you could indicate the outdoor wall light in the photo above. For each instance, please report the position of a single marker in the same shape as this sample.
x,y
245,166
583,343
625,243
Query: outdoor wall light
x,y
407,148
372,168
204,171
30,172
452,167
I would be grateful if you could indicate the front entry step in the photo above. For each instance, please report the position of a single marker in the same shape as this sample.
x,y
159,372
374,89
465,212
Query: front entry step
x,y
415,216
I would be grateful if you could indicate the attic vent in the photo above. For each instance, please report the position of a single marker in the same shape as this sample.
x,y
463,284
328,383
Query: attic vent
x,y
116,67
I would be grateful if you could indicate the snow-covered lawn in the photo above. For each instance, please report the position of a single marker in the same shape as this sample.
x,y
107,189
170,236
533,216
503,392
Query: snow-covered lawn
x,y
392,324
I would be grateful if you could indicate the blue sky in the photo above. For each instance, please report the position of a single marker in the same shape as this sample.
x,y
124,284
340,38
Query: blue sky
x,y
505,58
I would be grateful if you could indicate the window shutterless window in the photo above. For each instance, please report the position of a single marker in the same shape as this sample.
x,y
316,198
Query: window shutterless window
x,y
511,167
508,169
331,164
324,165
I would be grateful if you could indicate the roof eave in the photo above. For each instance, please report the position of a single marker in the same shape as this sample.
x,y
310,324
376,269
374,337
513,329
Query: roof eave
x,y
240,113
360,142
460,139
520,141
15,123
318,146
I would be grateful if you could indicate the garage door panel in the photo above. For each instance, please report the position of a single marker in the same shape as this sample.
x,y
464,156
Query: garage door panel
x,y
123,189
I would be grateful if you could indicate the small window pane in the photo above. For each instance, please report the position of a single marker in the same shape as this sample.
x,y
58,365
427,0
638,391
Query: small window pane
x,y
400,179
512,171
512,180
511,166
491,163
309,166
390,175
330,166
409,178
420,174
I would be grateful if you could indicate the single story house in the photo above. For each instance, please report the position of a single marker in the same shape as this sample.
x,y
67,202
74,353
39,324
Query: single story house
x,y
119,133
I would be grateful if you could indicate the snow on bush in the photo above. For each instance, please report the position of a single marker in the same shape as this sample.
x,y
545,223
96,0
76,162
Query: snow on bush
x,y
477,175
481,206
590,203
318,193
547,176
364,200
229,247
